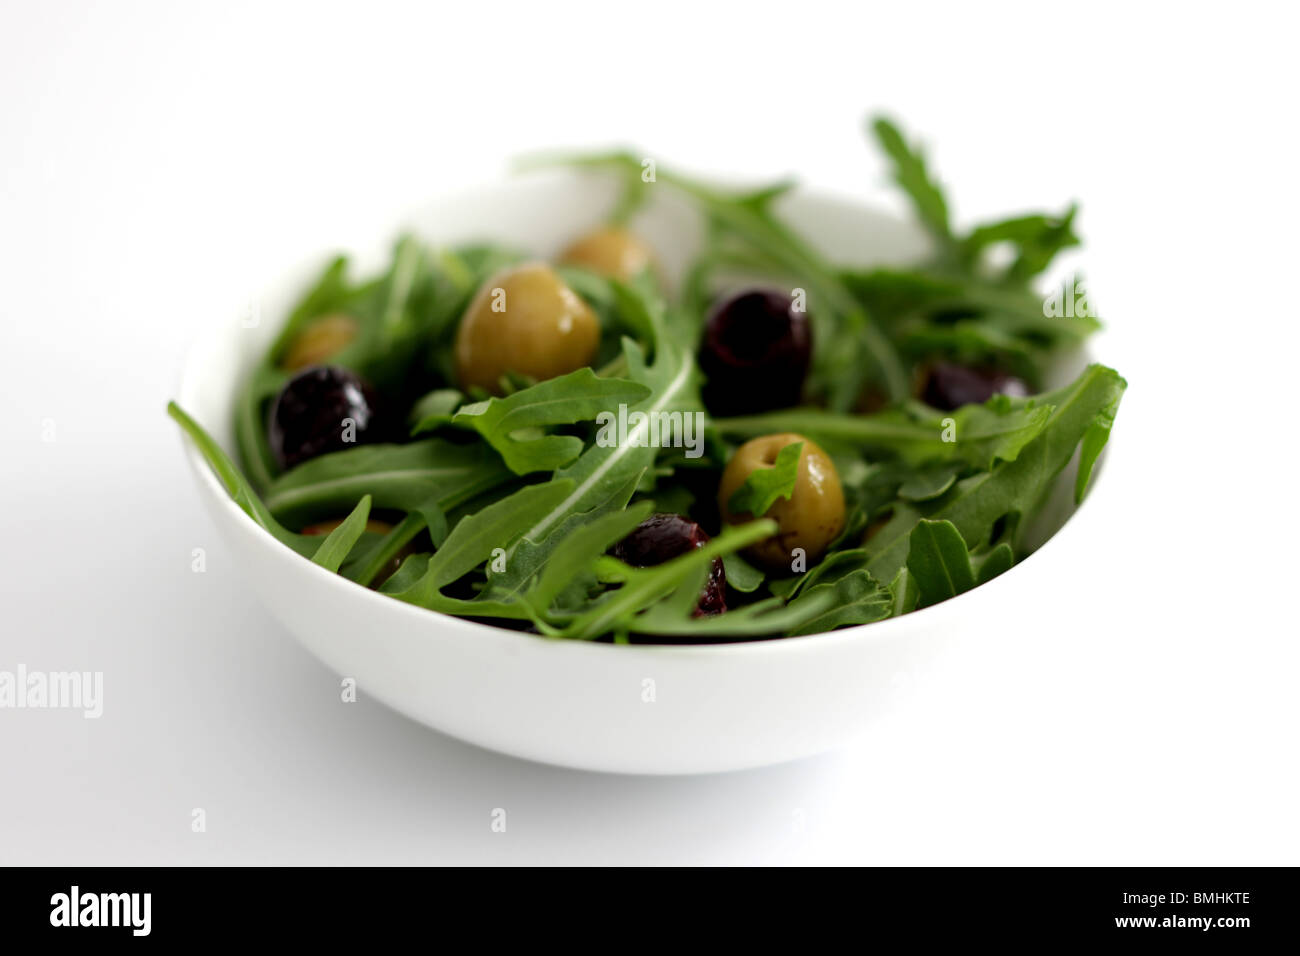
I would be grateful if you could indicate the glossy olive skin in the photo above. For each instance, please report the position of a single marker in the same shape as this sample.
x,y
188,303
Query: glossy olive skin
x,y
311,414
810,518
527,321
662,537
755,353
319,341
948,386
612,252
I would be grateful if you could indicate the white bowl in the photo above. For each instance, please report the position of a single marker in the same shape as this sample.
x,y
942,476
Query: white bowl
x,y
626,709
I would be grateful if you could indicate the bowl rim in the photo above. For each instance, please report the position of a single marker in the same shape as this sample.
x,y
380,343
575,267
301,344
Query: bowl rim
x,y
208,337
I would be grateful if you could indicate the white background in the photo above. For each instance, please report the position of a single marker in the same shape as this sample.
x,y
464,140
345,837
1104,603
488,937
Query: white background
x,y
157,160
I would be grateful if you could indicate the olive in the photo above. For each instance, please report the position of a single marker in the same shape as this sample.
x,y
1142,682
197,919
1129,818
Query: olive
x,y
810,518
524,320
319,341
948,386
755,353
322,409
612,252
662,537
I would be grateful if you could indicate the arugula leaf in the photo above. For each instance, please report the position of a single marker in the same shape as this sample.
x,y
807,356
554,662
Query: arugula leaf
x,y
574,555
528,557
603,470
618,609
741,575
1012,489
992,563
331,291
764,486
747,218
939,562
338,544
942,567
238,487
1037,240
577,397
856,598
911,174
929,482
364,567
904,593
477,536
400,477
435,409
250,424
768,617
982,434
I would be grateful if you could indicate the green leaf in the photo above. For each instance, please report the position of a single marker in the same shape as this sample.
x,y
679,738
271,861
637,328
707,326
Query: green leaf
x,y
768,617
528,557
604,469
989,565
1037,239
741,575
330,292
941,567
765,485
1094,440
573,557
911,174
238,487
250,424
577,397
477,536
412,570
834,567
980,434
400,477
435,409
929,482
364,567
904,595
856,598
642,587
746,218
1011,489
338,544
939,562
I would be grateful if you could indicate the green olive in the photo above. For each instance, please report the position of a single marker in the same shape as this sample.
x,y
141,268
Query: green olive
x,y
810,518
524,320
320,341
612,252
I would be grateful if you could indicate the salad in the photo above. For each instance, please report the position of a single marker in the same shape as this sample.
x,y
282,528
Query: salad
x,y
779,446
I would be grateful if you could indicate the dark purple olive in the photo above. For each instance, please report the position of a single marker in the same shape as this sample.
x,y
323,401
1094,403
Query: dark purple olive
x,y
948,386
755,353
662,537
322,409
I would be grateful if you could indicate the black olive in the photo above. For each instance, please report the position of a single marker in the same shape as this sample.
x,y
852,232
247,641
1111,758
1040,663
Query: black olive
x,y
755,353
948,386
322,409
660,538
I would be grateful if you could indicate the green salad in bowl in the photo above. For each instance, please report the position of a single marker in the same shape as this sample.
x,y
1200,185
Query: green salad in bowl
x,y
774,445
